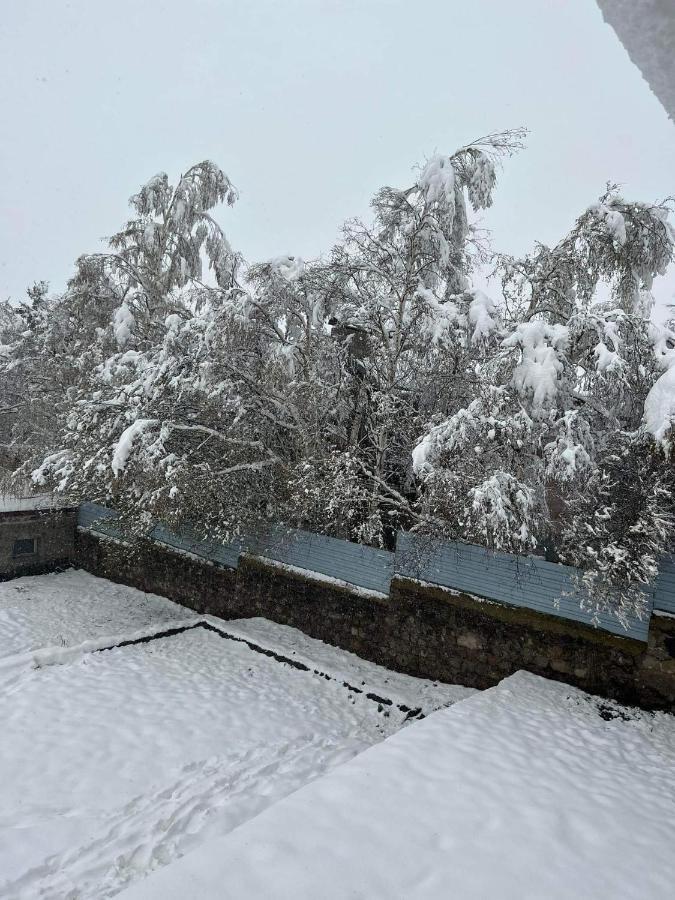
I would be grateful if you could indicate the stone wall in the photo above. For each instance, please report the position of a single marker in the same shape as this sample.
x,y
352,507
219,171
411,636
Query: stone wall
x,y
50,534
479,642
193,582
419,629
656,675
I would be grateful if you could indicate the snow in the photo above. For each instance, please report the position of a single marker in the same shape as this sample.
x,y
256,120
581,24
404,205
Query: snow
x,y
67,609
437,180
8,503
607,360
614,220
500,501
288,267
149,233
114,763
345,667
456,433
123,325
529,790
541,364
659,412
481,312
173,323
425,455
422,451
441,316
569,456
125,443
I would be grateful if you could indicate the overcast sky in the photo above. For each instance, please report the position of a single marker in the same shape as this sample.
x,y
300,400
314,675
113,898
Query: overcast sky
x,y
309,106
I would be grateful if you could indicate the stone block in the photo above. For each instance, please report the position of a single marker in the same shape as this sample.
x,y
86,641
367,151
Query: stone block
x,y
471,641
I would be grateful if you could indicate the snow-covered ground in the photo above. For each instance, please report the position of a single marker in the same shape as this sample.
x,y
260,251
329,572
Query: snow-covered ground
x,y
72,607
115,763
531,790
201,765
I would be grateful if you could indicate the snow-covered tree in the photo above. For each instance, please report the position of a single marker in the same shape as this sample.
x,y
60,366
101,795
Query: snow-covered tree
x,y
373,390
46,342
141,389
481,481
578,359
400,299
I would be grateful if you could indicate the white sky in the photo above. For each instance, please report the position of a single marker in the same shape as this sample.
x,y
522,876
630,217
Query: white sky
x,y
309,106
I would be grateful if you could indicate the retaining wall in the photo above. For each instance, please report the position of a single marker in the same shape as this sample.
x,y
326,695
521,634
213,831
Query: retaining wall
x,y
416,628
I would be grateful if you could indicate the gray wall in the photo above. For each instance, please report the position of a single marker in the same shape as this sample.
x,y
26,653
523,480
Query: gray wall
x,y
364,567
53,532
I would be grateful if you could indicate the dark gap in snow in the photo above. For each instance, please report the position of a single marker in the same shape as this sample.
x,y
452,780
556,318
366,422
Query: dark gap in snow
x,y
415,713
379,699
169,632
609,712
255,647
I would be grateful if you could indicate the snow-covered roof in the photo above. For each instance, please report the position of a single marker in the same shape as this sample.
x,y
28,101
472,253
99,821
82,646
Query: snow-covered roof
x,y
531,789
646,28
9,503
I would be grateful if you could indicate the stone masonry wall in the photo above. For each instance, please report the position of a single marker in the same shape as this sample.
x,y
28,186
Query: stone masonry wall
x,y
150,567
656,675
419,629
479,642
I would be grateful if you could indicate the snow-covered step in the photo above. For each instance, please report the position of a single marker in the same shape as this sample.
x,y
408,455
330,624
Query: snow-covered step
x,y
531,789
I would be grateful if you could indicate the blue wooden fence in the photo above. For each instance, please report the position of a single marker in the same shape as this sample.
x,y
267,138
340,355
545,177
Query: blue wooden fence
x,y
522,581
664,593
517,580
187,540
101,520
97,518
365,567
